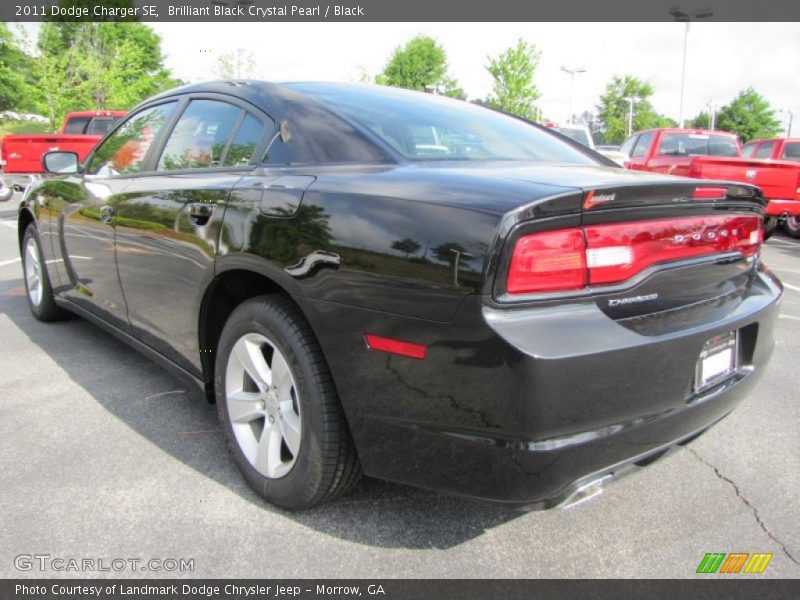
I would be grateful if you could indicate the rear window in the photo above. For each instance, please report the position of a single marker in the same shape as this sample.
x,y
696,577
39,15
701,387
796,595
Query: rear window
x,y
101,125
628,145
764,150
426,127
748,149
697,144
642,145
791,151
76,125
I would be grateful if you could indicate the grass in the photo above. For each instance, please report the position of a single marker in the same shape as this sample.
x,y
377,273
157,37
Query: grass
x,y
8,127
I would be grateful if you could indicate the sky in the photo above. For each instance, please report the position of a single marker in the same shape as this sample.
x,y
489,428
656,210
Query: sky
x,y
722,58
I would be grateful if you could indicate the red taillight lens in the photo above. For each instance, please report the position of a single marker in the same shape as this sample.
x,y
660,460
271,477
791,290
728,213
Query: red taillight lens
x,y
571,259
548,262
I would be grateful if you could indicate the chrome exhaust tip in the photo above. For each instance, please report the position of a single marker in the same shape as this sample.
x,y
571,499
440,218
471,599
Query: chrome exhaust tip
x,y
587,491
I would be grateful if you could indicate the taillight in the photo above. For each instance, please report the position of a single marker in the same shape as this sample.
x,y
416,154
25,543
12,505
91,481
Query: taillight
x,y
548,262
571,259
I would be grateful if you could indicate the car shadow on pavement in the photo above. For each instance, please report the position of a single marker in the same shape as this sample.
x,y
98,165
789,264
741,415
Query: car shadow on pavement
x,y
180,422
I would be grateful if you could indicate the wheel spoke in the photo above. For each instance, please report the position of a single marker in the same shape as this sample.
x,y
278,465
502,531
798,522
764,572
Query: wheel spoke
x,y
251,358
268,453
280,370
244,407
290,427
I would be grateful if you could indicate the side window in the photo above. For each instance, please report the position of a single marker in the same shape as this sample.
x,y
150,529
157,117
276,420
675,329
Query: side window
x,y
278,153
791,151
628,145
764,150
76,125
642,145
200,136
244,143
124,152
747,150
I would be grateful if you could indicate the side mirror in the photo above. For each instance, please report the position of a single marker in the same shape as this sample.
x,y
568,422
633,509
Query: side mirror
x,y
60,163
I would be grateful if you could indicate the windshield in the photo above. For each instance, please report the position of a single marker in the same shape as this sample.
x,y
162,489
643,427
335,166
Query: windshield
x,y
694,144
579,135
426,127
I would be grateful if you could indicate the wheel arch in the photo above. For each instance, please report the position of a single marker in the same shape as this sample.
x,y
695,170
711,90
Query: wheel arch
x,y
25,219
233,284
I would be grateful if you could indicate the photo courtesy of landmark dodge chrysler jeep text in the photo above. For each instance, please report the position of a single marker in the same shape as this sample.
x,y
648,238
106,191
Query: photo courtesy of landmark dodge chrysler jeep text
x,y
374,280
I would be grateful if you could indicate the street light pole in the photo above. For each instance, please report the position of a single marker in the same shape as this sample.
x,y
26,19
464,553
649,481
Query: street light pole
x,y
631,100
683,17
683,74
712,108
571,73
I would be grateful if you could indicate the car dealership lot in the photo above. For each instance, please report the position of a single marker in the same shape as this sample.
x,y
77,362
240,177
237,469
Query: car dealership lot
x,y
105,456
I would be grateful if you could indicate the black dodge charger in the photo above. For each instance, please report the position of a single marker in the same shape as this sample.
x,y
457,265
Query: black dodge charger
x,y
427,291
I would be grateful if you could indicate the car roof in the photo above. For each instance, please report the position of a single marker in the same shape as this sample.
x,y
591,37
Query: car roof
x,y
685,130
96,113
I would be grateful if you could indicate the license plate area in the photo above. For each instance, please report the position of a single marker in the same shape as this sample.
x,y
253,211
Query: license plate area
x,y
719,360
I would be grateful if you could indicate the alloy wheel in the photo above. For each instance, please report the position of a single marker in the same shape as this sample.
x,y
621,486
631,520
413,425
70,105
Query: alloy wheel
x,y
33,272
263,407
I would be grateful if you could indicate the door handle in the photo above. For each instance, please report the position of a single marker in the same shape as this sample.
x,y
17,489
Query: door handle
x,y
200,213
106,213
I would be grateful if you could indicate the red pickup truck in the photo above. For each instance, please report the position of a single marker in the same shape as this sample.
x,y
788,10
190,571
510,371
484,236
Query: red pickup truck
x,y
21,155
717,155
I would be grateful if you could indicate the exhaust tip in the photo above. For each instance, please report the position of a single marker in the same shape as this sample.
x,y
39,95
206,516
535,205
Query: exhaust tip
x,y
587,491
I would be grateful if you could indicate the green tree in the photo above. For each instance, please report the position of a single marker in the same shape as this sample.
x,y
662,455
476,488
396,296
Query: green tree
x,y
236,64
407,246
701,121
420,65
613,109
84,65
15,73
514,91
749,116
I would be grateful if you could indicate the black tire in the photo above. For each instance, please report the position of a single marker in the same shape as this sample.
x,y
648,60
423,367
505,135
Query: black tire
x,y
326,464
770,223
791,225
47,310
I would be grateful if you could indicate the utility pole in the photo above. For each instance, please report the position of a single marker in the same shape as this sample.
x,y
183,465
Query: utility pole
x,y
683,17
571,73
631,100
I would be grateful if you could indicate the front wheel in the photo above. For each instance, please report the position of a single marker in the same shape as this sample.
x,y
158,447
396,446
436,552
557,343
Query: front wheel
x,y
279,408
792,226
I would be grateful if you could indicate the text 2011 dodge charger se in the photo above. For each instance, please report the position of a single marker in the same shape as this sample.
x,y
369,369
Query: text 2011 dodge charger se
x,y
369,279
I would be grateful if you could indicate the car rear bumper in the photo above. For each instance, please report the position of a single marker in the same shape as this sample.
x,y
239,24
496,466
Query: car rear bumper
x,y
779,208
528,406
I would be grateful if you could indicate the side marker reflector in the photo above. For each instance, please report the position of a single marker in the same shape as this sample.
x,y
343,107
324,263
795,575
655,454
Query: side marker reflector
x,y
392,346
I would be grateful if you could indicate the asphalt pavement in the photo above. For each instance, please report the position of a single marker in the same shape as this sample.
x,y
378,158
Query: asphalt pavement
x,y
105,456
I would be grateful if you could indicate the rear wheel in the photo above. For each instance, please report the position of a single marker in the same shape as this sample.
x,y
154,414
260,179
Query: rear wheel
x,y
770,223
37,283
279,408
792,226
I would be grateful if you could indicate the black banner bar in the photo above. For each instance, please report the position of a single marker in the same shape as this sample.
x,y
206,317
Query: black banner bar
x,y
728,588
395,10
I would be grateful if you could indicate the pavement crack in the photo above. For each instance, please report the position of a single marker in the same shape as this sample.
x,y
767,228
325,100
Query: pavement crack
x,y
747,503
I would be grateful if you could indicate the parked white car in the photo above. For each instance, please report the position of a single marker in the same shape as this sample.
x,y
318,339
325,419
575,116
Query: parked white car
x,y
581,133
